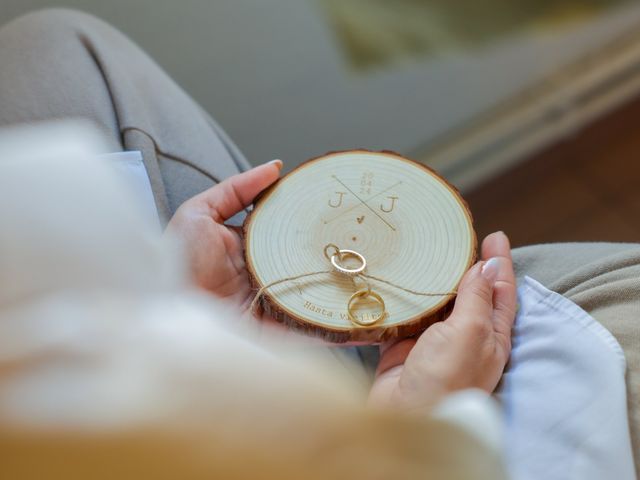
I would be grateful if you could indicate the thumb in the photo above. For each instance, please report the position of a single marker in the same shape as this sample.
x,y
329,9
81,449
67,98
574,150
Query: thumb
x,y
475,293
236,193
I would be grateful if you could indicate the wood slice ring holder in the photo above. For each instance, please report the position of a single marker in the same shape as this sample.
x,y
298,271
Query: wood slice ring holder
x,y
412,227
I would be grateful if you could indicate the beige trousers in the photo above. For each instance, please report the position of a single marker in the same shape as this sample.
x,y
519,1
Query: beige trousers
x,y
59,63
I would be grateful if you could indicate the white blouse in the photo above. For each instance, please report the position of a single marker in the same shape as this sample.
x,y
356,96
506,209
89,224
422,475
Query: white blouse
x,y
563,395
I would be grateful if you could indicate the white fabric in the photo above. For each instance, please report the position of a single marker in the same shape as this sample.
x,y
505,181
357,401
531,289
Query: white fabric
x,y
478,414
60,204
130,167
564,394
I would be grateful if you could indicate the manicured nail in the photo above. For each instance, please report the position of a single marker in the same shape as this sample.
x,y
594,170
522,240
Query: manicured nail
x,y
490,270
277,163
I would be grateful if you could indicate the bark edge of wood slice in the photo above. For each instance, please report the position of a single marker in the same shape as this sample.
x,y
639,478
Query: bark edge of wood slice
x,y
380,204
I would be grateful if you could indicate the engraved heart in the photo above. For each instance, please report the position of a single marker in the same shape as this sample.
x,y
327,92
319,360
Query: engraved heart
x,y
360,219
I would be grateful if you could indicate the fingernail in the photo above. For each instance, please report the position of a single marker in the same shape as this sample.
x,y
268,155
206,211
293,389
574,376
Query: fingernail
x,y
277,163
490,270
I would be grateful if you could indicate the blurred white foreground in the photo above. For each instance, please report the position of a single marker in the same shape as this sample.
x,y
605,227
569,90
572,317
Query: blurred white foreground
x,y
113,366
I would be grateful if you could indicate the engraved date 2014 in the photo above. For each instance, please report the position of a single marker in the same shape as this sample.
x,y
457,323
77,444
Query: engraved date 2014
x,y
366,183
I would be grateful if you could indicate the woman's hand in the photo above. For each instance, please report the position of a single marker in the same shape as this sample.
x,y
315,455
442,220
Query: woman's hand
x,y
215,250
469,349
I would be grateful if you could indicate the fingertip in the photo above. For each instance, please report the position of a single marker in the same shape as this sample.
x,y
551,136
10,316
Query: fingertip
x,y
264,175
496,244
503,239
235,193
498,238
269,173
277,163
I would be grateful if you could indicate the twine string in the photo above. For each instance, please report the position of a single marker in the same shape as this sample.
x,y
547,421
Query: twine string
x,y
266,287
261,291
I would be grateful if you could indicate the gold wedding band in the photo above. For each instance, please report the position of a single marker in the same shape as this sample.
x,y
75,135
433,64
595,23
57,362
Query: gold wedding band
x,y
365,320
335,255
348,253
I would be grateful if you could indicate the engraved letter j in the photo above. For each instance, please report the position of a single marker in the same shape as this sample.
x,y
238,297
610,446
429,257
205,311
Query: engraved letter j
x,y
390,209
336,205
